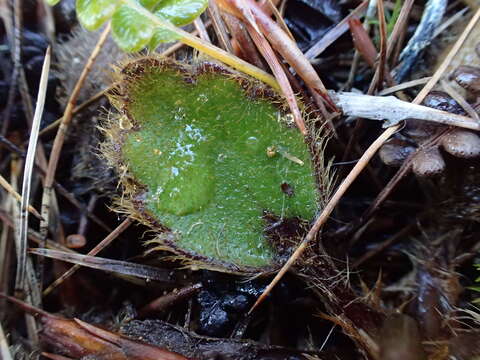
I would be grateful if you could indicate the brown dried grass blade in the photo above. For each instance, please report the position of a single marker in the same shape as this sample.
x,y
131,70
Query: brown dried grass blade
x,y
270,6
362,41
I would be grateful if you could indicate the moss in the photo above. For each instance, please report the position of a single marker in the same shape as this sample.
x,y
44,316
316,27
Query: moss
x,y
210,154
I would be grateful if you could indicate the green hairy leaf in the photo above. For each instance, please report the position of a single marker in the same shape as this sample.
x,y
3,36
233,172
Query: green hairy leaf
x,y
131,30
210,156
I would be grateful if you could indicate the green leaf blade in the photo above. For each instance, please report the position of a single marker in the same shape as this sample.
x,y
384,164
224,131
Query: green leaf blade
x,y
93,13
202,153
181,12
131,30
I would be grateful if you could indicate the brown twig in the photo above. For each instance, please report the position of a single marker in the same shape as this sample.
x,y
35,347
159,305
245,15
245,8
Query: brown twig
x,y
165,301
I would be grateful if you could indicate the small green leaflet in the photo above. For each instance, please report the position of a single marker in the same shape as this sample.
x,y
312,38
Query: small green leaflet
x,y
131,30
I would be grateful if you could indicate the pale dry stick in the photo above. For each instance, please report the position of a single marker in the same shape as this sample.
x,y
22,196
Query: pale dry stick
x,y
62,130
361,164
6,185
4,349
100,246
27,175
393,110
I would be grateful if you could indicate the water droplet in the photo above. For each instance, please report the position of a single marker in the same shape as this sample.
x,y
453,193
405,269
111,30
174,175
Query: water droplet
x,y
202,98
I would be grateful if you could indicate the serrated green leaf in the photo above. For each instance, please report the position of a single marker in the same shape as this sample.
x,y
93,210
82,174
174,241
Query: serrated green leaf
x,y
93,13
177,12
131,30
52,2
